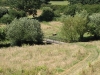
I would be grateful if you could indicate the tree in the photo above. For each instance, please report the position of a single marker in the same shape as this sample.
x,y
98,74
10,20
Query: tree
x,y
68,31
3,11
25,30
26,5
94,24
75,26
72,9
47,14
2,33
81,23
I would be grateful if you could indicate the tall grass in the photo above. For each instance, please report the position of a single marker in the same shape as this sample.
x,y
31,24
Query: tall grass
x,y
39,60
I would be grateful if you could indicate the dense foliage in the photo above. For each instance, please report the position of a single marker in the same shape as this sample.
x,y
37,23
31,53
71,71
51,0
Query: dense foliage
x,y
8,16
25,4
3,11
25,30
94,25
2,33
74,27
47,14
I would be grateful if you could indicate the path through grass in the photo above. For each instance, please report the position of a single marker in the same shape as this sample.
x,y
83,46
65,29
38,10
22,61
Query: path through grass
x,y
93,51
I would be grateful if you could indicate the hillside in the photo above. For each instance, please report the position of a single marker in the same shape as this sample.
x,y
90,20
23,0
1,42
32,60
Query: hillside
x,y
55,59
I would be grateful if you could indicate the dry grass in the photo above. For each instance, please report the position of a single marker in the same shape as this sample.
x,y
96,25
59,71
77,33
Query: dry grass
x,y
52,56
93,67
2,25
50,28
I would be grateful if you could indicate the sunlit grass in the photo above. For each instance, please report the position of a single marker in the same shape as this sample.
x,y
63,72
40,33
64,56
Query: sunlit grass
x,y
50,28
59,2
42,59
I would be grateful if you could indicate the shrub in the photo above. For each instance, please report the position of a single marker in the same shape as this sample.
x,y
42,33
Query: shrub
x,y
6,19
25,30
94,24
81,23
94,8
47,14
74,27
3,11
59,8
16,14
2,33
57,13
68,31
72,9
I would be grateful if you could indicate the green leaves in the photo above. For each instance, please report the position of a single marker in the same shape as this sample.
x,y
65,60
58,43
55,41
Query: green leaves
x,y
94,25
47,14
74,27
25,30
25,4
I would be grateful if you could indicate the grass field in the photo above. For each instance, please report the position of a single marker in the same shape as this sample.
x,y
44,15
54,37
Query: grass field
x,y
54,59
81,58
59,2
50,28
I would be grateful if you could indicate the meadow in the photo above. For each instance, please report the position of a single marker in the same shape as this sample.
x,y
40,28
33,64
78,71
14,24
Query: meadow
x,y
77,58
43,58
55,59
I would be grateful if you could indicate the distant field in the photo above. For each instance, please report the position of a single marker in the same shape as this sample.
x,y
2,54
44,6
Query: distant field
x,y
59,2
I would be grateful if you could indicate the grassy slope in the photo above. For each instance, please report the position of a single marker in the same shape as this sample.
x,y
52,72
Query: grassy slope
x,y
53,57
50,28
72,59
93,67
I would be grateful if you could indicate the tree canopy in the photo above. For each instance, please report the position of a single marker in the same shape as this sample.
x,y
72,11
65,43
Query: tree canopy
x,y
25,4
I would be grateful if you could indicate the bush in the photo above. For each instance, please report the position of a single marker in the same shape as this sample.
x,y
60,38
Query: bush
x,y
47,14
2,33
3,11
72,9
7,19
68,31
57,13
59,8
74,27
94,8
25,30
17,14
94,24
